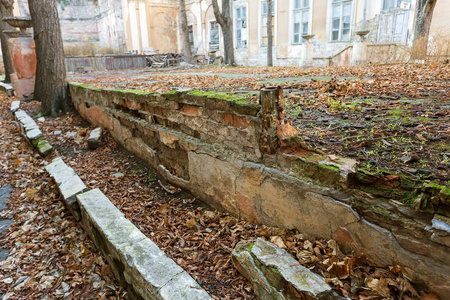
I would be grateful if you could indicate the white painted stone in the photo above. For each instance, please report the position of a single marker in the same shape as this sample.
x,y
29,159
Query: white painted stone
x,y
15,105
300,277
69,184
152,274
95,139
30,127
34,134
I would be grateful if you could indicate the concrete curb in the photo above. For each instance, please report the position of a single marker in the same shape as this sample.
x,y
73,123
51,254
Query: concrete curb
x,y
69,184
137,263
30,130
9,90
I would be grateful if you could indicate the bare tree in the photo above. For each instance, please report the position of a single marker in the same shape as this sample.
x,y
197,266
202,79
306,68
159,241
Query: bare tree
x,y
185,29
50,86
6,9
424,15
269,33
226,24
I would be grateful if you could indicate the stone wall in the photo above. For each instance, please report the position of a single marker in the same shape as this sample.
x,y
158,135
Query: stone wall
x,y
209,144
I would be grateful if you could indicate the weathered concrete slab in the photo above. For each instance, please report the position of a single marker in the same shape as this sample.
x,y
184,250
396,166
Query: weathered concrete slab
x,y
136,261
275,274
15,105
31,130
69,184
43,146
5,191
9,90
95,139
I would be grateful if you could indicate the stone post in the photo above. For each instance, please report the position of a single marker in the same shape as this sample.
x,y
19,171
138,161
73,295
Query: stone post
x,y
359,53
272,115
307,51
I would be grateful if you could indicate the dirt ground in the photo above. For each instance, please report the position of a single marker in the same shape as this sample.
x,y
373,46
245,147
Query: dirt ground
x,y
390,118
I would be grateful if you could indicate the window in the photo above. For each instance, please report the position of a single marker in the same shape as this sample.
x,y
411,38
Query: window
x,y
241,27
191,36
340,20
264,16
392,4
301,20
213,36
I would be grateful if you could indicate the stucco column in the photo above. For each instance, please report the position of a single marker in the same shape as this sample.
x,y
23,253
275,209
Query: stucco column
x,y
359,53
307,52
138,20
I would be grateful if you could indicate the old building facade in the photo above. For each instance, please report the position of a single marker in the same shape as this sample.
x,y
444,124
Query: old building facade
x,y
336,27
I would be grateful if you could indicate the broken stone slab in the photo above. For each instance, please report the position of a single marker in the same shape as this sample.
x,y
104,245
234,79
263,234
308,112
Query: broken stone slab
x,y
29,126
15,105
43,146
7,88
95,139
137,262
275,274
69,184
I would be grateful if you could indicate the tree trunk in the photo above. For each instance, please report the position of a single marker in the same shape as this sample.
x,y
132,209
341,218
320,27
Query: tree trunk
x,y
226,25
424,15
50,86
6,10
185,29
269,33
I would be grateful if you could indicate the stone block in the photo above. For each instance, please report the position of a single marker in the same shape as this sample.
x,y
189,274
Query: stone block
x,y
15,105
95,139
9,90
191,110
275,274
34,133
43,146
136,261
69,184
28,125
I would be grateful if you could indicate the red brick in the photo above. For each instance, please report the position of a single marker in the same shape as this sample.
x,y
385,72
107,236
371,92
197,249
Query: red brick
x,y
190,110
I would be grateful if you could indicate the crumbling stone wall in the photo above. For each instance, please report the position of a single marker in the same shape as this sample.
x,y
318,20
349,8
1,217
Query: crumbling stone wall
x,y
215,146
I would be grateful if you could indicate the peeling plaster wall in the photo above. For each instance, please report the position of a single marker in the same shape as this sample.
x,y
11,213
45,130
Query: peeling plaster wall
x,y
209,145
98,21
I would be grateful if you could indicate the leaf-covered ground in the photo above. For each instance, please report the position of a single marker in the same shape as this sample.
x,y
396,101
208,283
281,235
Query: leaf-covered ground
x,y
390,118
52,257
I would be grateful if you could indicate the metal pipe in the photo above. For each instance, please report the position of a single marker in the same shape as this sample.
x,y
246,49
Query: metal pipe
x,y
364,15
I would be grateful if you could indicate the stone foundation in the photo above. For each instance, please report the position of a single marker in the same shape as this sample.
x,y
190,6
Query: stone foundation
x,y
209,144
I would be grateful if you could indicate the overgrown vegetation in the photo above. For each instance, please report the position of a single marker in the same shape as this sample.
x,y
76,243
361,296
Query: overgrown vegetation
x,y
88,49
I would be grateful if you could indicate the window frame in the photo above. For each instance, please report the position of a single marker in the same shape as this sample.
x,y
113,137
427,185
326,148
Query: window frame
x,y
341,4
191,37
238,43
209,35
263,31
300,10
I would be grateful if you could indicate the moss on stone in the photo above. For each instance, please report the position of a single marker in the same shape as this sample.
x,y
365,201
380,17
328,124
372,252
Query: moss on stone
x,y
334,168
43,146
236,101
320,174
